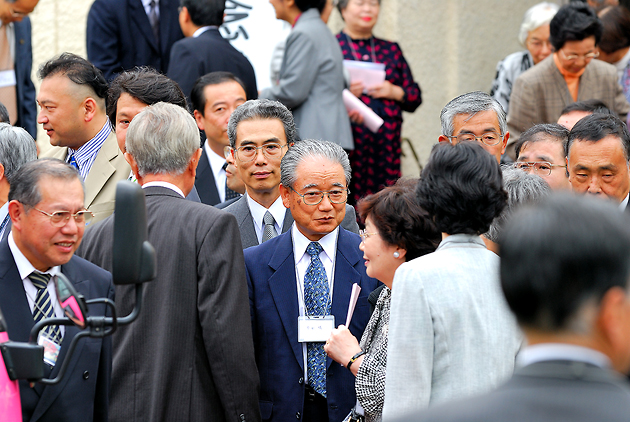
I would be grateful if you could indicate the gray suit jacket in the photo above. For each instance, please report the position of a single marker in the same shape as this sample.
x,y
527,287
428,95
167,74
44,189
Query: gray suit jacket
x,y
540,94
549,391
311,82
451,334
240,210
189,356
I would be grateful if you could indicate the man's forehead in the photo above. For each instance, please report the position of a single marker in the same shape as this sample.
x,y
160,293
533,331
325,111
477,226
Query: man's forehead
x,y
260,131
222,91
486,120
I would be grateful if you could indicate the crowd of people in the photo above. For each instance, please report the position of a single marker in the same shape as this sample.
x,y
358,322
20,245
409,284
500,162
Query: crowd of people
x,y
489,288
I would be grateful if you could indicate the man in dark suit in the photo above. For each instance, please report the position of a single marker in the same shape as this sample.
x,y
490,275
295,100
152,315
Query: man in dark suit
x,y
204,50
297,379
46,208
214,97
598,158
260,133
21,99
564,272
123,34
189,356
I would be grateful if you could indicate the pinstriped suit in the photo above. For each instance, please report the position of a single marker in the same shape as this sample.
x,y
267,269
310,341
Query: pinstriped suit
x,y
540,94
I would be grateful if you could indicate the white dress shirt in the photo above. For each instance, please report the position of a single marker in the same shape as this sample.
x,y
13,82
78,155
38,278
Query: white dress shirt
x,y
147,7
202,30
164,185
4,213
216,165
25,268
561,351
276,209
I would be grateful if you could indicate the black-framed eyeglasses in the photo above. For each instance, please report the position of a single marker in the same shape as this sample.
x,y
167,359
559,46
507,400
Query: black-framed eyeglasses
x,y
61,218
271,150
488,138
335,196
541,168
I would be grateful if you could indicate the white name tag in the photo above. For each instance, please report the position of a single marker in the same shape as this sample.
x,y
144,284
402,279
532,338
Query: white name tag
x,y
315,329
7,78
51,348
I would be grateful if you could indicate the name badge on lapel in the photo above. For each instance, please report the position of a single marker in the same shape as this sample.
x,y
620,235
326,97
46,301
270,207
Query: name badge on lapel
x,y
315,329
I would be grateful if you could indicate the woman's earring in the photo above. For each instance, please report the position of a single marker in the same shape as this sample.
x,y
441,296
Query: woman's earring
x,y
396,254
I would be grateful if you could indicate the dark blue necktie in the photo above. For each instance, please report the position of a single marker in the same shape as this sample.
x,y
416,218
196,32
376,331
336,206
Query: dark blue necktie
x,y
73,162
317,303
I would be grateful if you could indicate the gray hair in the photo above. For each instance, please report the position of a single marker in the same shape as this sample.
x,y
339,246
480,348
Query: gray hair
x,y
262,109
535,17
16,148
162,139
310,148
471,104
24,186
522,188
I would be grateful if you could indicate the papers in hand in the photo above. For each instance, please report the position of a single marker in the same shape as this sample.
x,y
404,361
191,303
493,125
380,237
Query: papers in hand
x,y
371,74
356,289
370,119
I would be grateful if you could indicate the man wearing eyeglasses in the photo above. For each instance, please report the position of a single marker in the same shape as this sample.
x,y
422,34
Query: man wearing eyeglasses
x,y
260,133
299,288
475,116
568,75
540,151
598,154
48,215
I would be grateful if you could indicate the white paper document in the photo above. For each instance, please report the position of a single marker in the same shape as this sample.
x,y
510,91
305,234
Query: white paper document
x,y
370,119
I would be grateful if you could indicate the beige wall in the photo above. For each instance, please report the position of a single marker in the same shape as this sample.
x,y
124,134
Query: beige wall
x,y
452,47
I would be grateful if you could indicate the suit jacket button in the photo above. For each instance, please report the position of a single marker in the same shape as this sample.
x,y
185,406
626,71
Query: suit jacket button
x,y
301,381
297,415
86,375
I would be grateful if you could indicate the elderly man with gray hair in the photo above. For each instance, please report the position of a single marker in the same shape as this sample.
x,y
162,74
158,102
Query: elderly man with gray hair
x,y
201,364
475,116
300,284
16,148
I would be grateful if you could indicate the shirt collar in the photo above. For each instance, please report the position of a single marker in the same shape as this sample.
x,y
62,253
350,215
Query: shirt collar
x,y
4,211
276,209
561,351
89,150
216,161
24,266
203,29
624,203
455,239
163,184
301,242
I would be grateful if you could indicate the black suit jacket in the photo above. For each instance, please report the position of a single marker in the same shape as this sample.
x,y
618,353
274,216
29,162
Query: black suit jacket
x,y
189,356
25,90
83,393
209,52
204,181
119,35
545,391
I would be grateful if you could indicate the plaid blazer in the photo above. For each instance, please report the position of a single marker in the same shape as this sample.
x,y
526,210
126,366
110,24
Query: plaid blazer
x,y
540,94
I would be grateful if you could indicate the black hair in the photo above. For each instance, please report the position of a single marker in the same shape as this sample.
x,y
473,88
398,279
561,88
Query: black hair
x,y
197,96
147,86
400,220
304,5
205,12
588,106
574,22
543,132
78,70
616,34
560,254
598,126
461,188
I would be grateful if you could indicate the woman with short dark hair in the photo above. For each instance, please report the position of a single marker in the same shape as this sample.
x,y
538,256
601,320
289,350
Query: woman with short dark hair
x,y
397,230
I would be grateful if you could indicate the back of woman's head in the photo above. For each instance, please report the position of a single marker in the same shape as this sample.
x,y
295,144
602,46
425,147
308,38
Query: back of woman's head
x,y
400,220
461,188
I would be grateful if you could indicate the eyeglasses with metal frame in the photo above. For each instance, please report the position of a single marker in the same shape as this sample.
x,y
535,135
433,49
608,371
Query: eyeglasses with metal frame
x,y
271,150
364,235
61,218
574,57
489,138
538,167
335,196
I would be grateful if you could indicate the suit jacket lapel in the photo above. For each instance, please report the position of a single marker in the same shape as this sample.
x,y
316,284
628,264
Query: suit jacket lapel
x,y
283,287
560,84
587,84
204,181
102,169
140,18
245,222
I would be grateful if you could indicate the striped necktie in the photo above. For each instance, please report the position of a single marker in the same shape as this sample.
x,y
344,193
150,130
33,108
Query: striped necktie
x,y
43,305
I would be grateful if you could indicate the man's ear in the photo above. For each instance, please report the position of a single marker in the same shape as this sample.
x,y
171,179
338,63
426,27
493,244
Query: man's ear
x,y
506,137
442,138
90,107
199,119
16,211
285,194
134,166
194,161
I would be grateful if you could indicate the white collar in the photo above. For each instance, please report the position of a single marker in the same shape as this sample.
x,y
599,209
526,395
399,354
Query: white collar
x,y
147,3
276,209
4,210
163,184
202,30
561,351
215,160
301,242
24,266
624,203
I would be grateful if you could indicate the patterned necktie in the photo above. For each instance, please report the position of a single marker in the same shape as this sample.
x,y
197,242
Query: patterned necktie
x,y
43,305
73,162
154,20
229,193
269,231
317,303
